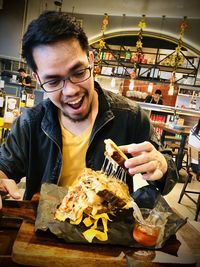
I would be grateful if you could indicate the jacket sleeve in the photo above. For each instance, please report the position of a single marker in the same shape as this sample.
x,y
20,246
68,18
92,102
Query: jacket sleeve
x,y
12,152
168,181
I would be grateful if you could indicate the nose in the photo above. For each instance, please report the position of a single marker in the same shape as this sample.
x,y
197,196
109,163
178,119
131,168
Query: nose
x,y
69,88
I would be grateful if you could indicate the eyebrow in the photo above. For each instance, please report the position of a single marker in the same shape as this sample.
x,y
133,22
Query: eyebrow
x,y
71,70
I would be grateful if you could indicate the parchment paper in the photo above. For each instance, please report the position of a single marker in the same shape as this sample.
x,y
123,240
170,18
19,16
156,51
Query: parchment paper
x,y
120,228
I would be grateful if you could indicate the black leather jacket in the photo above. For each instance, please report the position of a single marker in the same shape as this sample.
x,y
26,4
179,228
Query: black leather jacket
x,y
34,146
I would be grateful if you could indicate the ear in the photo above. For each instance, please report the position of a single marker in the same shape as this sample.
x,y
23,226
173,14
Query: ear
x,y
91,58
35,77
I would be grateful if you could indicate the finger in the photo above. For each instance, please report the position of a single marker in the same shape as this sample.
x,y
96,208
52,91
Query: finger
x,y
8,185
147,167
0,203
156,175
124,148
140,159
13,190
141,147
135,149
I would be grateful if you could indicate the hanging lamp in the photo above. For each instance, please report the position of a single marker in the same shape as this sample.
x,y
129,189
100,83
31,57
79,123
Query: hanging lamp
x,y
113,82
150,88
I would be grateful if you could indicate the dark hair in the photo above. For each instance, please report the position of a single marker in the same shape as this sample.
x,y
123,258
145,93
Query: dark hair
x,y
50,27
158,91
21,70
197,129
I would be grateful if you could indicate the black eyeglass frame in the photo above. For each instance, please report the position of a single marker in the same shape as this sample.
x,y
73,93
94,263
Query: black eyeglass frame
x,y
64,79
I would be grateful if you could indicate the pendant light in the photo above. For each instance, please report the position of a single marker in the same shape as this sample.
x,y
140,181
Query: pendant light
x,y
150,88
171,89
113,83
131,85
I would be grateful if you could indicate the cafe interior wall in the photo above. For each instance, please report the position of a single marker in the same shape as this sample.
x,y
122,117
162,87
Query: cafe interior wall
x,y
92,22
14,22
142,86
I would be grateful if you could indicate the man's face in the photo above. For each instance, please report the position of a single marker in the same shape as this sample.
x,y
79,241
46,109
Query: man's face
x,y
22,74
59,60
156,96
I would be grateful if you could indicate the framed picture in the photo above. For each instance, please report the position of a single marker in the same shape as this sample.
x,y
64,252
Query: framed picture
x,y
12,108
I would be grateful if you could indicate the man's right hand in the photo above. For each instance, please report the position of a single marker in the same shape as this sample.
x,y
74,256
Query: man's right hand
x,y
10,187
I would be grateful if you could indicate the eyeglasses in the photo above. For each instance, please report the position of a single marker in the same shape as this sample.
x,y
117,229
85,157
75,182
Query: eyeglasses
x,y
76,77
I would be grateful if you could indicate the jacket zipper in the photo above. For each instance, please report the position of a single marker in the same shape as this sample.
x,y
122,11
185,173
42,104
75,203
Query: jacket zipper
x,y
60,153
92,138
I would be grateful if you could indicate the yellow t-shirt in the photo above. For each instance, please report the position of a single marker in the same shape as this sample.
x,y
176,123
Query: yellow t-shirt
x,y
74,152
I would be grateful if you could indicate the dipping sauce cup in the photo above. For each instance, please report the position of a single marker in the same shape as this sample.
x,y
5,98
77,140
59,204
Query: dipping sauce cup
x,y
148,233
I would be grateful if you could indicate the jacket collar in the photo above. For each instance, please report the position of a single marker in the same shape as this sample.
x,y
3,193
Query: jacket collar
x,y
105,113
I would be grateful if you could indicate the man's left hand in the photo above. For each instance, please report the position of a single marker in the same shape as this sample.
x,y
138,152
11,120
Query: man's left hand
x,y
146,160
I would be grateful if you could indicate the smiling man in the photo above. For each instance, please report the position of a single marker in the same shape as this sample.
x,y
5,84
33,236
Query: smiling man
x,y
55,140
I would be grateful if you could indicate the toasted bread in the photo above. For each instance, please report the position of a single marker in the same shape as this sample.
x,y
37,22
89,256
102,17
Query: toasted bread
x,y
115,154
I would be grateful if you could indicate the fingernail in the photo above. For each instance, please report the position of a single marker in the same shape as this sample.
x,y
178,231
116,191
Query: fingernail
x,y
145,176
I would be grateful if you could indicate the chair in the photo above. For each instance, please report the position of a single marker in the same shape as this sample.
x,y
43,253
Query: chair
x,y
174,147
195,154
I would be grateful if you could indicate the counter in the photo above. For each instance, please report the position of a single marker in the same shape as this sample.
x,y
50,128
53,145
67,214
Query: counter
x,y
190,116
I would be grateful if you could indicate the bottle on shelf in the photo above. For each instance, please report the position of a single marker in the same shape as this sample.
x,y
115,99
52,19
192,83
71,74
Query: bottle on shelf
x,y
23,98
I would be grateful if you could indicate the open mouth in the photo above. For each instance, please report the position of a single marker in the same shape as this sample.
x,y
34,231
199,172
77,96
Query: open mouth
x,y
76,104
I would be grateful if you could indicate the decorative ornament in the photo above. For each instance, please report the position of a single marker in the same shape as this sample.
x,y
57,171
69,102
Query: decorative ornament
x,y
139,56
177,60
133,75
104,24
101,44
98,69
139,44
142,23
183,26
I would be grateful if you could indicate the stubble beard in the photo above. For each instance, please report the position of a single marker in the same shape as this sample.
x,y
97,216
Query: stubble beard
x,y
81,118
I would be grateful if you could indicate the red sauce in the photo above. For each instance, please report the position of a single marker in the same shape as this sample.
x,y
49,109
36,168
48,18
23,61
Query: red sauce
x,y
146,235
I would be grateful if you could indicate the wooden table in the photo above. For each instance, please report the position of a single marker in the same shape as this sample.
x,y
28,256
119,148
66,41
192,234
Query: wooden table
x,y
21,246
184,133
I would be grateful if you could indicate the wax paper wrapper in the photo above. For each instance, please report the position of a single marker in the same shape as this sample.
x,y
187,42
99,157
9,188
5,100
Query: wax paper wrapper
x,y
120,229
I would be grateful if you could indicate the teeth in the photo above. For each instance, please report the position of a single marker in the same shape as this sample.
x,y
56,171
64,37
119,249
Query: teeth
x,y
75,101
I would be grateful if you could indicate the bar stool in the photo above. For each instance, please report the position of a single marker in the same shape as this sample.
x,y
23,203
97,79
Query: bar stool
x,y
195,154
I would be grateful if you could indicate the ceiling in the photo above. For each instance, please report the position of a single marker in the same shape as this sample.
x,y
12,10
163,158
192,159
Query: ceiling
x,y
171,9
151,8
